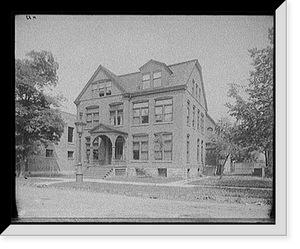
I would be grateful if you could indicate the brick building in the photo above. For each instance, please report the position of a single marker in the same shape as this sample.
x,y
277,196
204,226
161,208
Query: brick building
x,y
57,158
152,121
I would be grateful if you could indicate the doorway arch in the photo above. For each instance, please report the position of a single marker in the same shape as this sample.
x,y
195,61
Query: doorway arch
x,y
119,148
103,150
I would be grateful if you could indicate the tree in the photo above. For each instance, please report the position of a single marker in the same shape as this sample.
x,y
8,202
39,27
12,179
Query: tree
x,y
223,143
37,122
255,112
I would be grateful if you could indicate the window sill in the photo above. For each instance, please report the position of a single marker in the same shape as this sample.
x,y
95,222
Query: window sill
x,y
137,125
71,143
162,161
139,161
162,123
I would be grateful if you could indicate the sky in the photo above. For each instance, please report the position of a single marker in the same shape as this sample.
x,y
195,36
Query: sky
x,y
122,44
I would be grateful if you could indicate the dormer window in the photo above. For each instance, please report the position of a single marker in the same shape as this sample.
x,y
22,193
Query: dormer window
x,y
146,81
156,79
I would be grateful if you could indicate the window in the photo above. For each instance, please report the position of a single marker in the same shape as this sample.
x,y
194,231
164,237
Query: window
x,y
140,147
163,110
188,148
162,172
95,149
104,88
202,122
70,134
193,87
49,153
202,152
146,81
199,94
88,148
194,112
92,117
188,113
163,146
156,79
141,113
95,90
70,154
116,114
196,91
198,120
198,150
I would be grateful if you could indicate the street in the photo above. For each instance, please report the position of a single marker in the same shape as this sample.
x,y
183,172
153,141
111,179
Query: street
x,y
34,202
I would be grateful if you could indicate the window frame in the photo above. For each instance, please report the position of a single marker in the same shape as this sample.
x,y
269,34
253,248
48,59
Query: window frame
x,y
155,78
146,80
163,114
91,111
70,135
163,149
140,139
115,109
140,109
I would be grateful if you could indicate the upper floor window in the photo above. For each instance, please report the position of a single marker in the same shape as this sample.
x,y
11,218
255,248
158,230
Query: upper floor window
x,y
188,148
92,117
196,91
194,115
140,113
116,114
188,113
163,110
104,88
193,87
156,79
146,81
49,153
202,122
199,94
70,134
198,120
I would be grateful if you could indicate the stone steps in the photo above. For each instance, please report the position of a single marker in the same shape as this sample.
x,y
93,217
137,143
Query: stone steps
x,y
97,172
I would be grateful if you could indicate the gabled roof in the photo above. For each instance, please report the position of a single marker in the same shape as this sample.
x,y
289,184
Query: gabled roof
x,y
109,74
158,63
102,128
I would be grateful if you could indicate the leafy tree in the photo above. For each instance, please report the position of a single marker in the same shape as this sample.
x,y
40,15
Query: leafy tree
x,y
37,123
253,107
223,142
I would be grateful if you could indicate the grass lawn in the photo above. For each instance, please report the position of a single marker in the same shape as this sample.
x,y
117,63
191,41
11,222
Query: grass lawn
x,y
235,181
144,179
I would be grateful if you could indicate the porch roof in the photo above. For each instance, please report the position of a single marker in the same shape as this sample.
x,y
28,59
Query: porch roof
x,y
104,129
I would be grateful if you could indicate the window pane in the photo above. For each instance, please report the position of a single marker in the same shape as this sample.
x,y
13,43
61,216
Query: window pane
x,y
108,91
89,117
136,146
158,155
101,92
168,155
158,118
145,111
136,155
167,136
94,86
145,119
146,84
96,116
95,123
168,146
144,155
144,146
168,109
163,102
136,120
108,83
146,77
136,112
158,110
156,75
168,117
139,105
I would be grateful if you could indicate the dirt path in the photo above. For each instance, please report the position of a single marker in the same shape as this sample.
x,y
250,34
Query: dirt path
x,y
36,202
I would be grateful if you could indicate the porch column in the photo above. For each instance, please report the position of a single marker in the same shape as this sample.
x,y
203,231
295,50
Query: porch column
x,y
91,151
124,150
113,156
